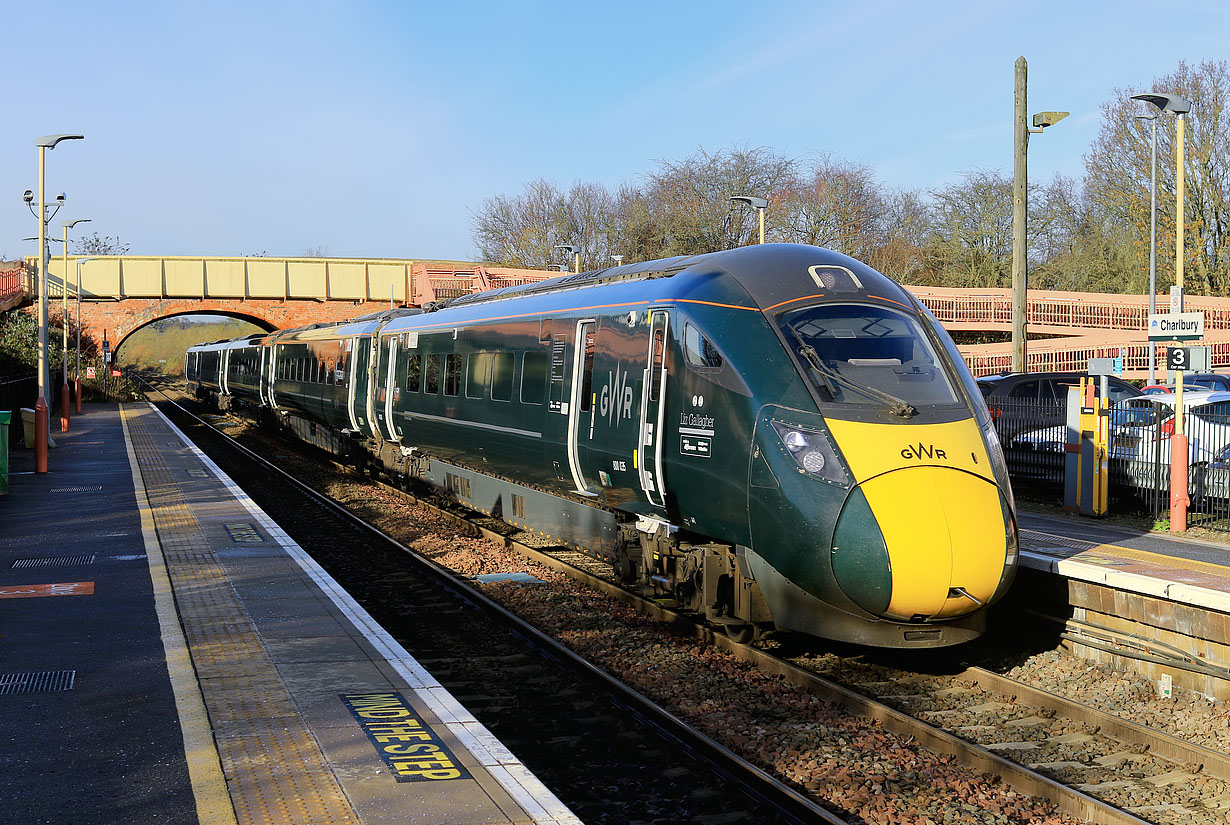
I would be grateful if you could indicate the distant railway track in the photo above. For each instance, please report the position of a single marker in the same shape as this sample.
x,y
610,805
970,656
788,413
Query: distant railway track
x,y
1093,766
600,746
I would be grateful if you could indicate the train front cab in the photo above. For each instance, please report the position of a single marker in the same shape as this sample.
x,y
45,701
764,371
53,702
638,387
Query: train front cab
x,y
882,515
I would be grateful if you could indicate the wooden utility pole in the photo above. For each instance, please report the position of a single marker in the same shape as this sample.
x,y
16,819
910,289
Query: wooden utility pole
x,y
1020,274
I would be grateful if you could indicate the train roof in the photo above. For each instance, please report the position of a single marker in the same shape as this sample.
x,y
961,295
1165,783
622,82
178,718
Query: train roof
x,y
772,275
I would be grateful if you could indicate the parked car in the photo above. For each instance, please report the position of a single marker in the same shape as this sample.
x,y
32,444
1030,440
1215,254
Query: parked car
x,y
1207,381
1166,389
1143,444
1025,401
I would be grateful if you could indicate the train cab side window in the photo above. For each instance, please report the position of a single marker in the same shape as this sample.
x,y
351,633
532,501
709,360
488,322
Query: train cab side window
x,y
533,377
501,376
414,372
659,355
587,373
452,373
699,351
330,373
431,384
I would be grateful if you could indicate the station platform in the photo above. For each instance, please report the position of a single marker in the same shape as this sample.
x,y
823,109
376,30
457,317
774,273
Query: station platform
x,y
170,655
1182,570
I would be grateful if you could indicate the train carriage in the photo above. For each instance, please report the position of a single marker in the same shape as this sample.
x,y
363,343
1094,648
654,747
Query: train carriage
x,y
774,434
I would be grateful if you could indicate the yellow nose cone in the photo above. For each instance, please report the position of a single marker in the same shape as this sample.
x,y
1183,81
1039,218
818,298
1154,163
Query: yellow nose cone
x,y
944,529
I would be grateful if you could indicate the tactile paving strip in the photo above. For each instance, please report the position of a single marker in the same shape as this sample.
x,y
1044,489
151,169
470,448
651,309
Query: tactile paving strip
x,y
274,769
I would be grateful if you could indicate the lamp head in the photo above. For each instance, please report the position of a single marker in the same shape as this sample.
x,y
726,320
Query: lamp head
x,y
567,247
1044,119
50,141
28,196
1174,104
751,200
71,224
60,197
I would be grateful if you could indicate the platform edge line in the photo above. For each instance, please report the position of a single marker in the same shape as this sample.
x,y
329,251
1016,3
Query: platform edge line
x,y
209,788
526,785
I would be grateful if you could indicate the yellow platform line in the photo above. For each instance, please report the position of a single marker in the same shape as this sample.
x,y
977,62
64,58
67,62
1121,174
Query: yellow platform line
x,y
213,801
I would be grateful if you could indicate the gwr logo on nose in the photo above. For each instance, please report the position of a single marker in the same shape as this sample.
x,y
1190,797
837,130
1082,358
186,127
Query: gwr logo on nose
x,y
921,450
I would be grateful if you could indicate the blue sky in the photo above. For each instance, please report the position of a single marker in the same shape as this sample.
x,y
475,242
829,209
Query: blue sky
x,y
375,129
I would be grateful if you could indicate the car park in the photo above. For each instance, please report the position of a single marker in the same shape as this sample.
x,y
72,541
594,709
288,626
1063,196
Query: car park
x,y
1022,402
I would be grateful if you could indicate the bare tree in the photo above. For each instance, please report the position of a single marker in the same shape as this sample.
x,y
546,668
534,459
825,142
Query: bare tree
x,y
838,205
96,244
691,197
1117,174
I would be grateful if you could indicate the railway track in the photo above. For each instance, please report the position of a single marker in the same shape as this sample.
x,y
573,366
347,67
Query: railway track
x,y
1092,765
608,753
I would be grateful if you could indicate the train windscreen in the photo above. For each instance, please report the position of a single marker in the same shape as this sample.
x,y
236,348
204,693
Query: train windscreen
x,y
868,355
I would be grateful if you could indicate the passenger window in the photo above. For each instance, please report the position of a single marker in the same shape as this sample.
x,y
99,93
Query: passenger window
x,y
414,372
533,377
699,351
502,376
477,374
432,382
452,374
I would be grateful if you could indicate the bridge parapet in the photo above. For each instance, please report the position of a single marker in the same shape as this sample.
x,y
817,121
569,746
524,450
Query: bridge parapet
x,y
120,277
12,286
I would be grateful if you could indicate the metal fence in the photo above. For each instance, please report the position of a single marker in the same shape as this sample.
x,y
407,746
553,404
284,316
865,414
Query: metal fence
x,y
1033,437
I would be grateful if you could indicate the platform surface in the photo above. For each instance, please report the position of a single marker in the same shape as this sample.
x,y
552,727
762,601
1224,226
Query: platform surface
x,y
1179,569
170,655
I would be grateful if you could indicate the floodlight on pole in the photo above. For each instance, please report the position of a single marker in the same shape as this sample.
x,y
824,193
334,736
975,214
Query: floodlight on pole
x,y
575,251
42,408
1020,189
759,204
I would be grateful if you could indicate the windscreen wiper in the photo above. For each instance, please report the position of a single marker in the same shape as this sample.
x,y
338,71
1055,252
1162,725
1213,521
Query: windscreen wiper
x,y
830,376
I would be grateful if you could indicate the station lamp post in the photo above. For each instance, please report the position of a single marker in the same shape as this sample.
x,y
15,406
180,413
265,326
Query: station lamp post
x,y
42,407
1020,189
64,399
1178,106
1152,118
575,251
81,262
759,204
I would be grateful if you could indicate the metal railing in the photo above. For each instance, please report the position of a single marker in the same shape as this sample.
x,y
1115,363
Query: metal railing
x,y
1033,436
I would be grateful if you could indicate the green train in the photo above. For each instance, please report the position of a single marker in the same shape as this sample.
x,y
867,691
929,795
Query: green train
x,y
771,436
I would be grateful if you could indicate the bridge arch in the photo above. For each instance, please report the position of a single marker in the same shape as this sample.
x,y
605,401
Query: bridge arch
x,y
126,332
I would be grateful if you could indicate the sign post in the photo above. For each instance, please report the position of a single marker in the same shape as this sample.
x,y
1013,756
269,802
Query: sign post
x,y
1177,326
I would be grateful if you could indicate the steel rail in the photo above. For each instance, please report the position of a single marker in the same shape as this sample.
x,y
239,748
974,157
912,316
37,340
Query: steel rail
x,y
756,782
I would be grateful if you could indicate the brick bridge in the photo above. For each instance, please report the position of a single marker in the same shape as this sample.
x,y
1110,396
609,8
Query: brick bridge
x,y
121,294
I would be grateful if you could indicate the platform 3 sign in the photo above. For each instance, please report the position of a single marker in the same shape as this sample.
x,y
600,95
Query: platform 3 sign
x,y
412,750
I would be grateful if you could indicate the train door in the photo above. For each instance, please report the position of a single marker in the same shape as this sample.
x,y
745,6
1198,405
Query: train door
x,y
358,400
386,382
264,379
224,364
580,410
653,410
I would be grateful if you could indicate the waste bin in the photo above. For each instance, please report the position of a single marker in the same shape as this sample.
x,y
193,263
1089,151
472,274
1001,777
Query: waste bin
x,y
27,423
4,451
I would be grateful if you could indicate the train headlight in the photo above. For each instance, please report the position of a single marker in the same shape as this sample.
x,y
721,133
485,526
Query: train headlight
x,y
812,451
